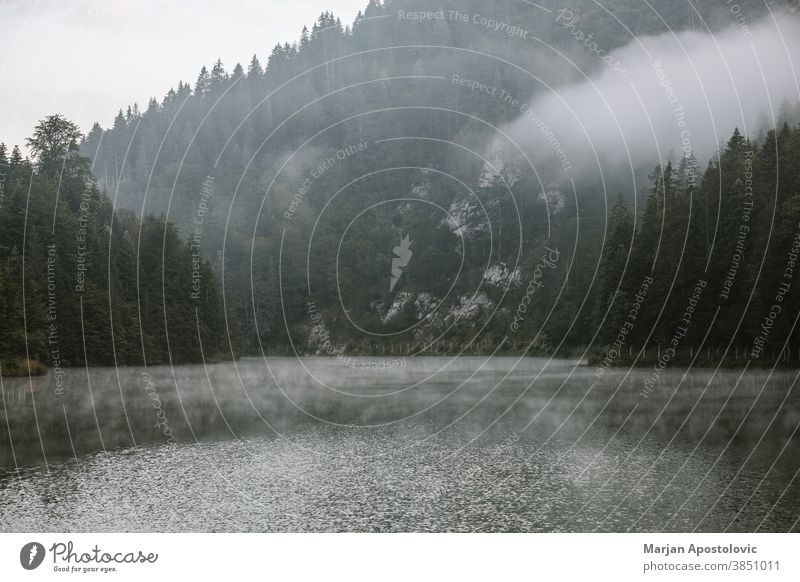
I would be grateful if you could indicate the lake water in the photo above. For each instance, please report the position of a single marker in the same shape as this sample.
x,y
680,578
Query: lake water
x,y
423,444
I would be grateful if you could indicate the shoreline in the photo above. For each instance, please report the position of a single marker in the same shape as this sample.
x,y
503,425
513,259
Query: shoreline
x,y
17,369
22,367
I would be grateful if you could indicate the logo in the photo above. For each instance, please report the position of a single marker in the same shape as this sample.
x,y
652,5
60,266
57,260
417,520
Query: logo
x,y
31,555
402,257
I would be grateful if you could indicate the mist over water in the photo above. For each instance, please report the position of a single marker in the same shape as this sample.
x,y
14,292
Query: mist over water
x,y
445,444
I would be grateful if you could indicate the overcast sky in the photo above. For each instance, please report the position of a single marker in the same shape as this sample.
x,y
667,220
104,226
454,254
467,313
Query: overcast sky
x,y
87,59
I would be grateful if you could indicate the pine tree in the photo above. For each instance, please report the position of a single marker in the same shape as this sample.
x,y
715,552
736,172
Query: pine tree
x,y
16,157
616,254
218,75
238,72
203,84
254,70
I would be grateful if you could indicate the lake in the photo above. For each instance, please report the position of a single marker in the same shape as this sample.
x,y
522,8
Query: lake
x,y
418,444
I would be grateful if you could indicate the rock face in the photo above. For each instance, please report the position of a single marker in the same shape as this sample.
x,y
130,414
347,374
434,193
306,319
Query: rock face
x,y
499,275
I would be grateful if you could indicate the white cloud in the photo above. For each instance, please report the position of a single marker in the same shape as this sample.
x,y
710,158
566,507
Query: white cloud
x,y
720,81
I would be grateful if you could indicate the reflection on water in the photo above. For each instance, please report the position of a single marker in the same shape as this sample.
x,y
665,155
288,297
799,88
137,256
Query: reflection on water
x,y
467,444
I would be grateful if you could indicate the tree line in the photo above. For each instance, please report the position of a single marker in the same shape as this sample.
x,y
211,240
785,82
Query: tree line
x,y
84,283
721,246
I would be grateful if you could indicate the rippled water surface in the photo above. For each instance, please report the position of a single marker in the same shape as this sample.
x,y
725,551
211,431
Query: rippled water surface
x,y
424,444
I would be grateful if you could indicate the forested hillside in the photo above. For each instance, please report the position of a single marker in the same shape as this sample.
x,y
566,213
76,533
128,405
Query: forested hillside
x,y
83,284
711,265
301,174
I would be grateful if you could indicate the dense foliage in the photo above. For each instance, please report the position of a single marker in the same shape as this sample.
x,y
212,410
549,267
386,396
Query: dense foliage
x,y
721,254
80,283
